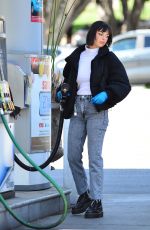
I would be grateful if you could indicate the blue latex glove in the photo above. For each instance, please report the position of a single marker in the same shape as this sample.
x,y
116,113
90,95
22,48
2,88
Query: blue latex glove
x,y
59,96
99,98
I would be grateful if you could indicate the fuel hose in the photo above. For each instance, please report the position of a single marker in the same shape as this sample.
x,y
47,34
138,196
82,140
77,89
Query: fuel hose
x,y
54,151
65,88
58,188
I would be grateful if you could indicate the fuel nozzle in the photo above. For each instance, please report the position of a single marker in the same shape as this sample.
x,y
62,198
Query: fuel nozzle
x,y
65,88
65,91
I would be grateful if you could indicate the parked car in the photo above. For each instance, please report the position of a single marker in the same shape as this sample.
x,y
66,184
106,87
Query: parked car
x,y
50,51
61,53
64,52
133,49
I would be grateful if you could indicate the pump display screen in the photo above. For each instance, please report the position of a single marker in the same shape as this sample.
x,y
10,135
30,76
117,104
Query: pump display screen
x,y
44,103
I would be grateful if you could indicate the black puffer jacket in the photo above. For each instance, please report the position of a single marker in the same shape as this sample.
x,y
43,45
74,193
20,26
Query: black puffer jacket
x,y
107,73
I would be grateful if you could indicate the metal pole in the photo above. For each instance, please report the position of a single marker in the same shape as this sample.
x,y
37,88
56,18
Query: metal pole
x,y
1,73
3,59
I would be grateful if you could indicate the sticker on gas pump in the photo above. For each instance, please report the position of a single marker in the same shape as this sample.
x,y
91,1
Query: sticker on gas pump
x,y
45,103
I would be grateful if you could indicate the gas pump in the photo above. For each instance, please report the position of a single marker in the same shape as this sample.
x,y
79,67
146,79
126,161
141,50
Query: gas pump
x,y
29,80
7,150
7,105
41,106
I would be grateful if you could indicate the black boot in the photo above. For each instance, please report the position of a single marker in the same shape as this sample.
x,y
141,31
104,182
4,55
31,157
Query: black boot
x,y
95,210
82,204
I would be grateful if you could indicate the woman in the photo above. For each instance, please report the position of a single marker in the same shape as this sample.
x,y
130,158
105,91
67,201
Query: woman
x,y
97,81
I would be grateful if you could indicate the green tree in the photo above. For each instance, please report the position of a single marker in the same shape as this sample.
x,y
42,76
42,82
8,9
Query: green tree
x,y
62,7
130,14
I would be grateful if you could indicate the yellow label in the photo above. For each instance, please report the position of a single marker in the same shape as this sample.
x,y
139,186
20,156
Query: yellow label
x,y
41,68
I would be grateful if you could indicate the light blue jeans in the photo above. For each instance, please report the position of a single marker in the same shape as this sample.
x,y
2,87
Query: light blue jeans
x,y
86,121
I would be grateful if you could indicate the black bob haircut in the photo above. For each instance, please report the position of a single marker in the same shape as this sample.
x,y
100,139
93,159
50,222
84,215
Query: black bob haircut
x,y
98,26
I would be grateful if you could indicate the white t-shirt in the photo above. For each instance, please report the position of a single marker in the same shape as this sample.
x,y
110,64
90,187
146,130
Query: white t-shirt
x,y
84,71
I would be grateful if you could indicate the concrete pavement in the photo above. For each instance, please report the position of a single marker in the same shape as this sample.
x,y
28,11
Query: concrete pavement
x,y
126,203
121,212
